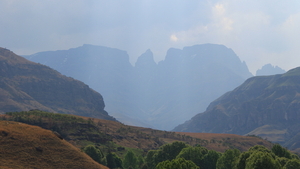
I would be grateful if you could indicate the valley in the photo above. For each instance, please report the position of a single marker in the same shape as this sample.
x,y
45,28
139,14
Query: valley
x,y
250,118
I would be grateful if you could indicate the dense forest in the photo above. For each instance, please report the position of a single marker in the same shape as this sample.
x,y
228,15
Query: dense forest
x,y
168,156
182,156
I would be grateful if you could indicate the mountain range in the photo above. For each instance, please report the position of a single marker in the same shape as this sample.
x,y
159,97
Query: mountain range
x,y
26,85
157,95
269,69
266,106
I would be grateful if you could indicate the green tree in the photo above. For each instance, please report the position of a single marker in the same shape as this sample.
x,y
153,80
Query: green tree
x,y
113,161
282,160
210,160
130,160
95,154
150,159
170,151
241,162
165,152
140,161
279,151
228,159
292,164
294,156
179,163
259,160
259,148
195,154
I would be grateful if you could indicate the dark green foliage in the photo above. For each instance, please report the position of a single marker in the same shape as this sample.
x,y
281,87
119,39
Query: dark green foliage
x,y
140,162
202,157
179,163
279,151
259,160
150,159
259,148
166,152
292,164
195,154
113,161
95,153
294,156
170,151
228,159
282,160
210,159
241,162
130,160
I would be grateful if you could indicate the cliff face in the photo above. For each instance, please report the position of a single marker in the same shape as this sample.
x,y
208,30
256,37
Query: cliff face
x,y
267,106
26,85
153,95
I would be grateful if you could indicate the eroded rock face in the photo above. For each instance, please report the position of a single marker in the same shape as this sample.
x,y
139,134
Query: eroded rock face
x,y
26,85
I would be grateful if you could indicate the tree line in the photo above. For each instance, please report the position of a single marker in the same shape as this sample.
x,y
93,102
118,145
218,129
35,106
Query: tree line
x,y
182,156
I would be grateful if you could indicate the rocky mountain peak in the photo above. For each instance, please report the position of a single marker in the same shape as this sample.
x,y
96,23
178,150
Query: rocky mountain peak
x,y
269,69
145,60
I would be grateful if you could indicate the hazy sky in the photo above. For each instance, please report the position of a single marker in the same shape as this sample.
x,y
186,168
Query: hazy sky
x,y
259,31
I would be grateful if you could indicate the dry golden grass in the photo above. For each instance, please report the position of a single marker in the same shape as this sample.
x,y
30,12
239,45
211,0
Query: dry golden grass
x,y
213,141
25,146
221,142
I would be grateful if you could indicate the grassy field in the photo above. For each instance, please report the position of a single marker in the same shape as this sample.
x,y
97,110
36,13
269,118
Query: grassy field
x,y
26,146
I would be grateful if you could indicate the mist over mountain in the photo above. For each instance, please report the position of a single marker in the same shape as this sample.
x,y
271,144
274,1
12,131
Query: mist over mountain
x,y
26,85
154,95
269,69
267,106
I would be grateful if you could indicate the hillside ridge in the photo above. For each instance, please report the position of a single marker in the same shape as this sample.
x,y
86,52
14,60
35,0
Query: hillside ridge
x,y
27,146
26,85
267,106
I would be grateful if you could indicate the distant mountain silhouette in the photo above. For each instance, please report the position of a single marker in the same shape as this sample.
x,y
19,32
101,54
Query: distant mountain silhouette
x,y
153,95
26,85
267,106
268,69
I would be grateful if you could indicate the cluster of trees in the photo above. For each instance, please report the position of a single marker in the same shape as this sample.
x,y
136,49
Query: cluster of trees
x,y
182,156
112,160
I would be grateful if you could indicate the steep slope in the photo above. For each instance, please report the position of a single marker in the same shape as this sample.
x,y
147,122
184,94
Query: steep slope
x,y
267,106
150,94
26,146
25,85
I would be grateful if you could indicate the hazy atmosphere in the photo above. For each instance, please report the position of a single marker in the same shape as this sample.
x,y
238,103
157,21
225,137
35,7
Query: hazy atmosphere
x,y
260,32
150,84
